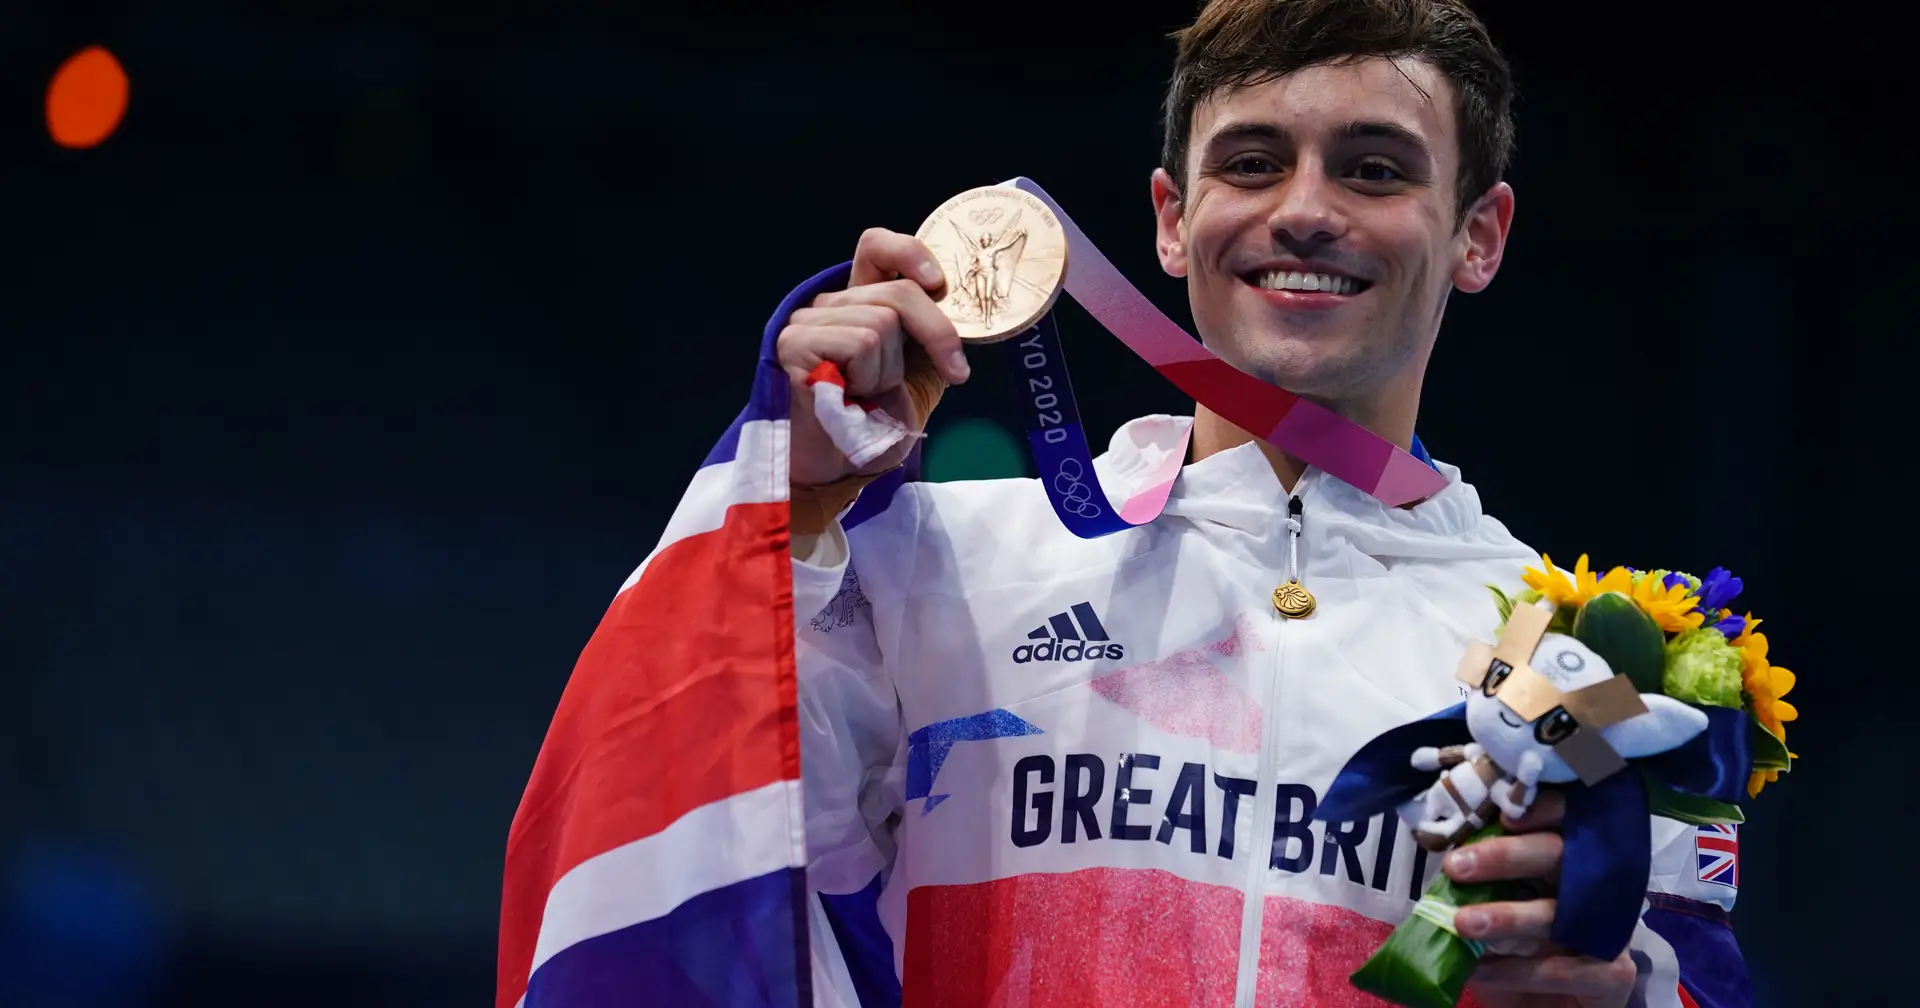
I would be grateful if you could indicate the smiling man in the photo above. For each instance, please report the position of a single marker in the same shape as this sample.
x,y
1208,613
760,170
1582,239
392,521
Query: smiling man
x,y
1084,771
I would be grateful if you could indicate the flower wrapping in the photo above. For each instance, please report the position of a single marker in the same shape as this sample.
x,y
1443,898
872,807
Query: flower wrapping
x,y
1634,694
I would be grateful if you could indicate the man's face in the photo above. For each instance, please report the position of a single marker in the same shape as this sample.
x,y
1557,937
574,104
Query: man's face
x,y
1318,227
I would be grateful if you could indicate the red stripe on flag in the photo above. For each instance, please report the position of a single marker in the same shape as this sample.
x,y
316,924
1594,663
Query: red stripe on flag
x,y
683,696
1686,999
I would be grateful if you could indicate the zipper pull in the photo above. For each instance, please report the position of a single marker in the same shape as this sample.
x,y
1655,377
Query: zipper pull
x,y
1292,600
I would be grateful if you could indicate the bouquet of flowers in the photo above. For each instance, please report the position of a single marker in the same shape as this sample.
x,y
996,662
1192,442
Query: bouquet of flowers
x,y
1634,693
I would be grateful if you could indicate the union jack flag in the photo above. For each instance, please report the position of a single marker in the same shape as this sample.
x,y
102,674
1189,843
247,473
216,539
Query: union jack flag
x,y
658,854
1718,847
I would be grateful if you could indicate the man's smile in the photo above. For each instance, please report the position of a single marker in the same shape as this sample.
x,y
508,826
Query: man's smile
x,y
1299,286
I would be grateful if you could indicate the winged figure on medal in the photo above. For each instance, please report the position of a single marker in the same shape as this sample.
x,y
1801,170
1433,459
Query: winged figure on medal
x,y
985,267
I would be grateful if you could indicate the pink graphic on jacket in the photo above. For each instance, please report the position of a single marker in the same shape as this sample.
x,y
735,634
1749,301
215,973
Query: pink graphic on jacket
x,y
1125,936
1187,694
1309,950
1084,939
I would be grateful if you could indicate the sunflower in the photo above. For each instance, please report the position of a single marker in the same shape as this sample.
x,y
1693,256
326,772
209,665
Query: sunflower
x,y
1553,584
1764,681
1765,684
1672,605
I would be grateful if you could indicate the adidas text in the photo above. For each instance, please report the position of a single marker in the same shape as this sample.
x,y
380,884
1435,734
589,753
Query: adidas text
x,y
1066,650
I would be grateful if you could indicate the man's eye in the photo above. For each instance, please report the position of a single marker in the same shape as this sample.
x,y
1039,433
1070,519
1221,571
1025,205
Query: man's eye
x,y
1252,164
1376,171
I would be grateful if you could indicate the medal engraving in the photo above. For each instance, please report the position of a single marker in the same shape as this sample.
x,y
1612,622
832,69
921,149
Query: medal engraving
x,y
1293,601
1005,259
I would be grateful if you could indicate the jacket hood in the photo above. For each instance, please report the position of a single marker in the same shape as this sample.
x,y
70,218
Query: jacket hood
x,y
1237,488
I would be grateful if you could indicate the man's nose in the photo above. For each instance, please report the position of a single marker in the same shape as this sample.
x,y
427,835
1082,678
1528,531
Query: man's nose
x,y
1308,213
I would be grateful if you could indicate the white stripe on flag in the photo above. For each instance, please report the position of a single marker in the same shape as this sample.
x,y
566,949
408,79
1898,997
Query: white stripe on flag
x,y
720,843
757,474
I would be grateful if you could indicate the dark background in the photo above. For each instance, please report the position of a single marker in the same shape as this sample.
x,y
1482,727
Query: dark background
x,y
341,388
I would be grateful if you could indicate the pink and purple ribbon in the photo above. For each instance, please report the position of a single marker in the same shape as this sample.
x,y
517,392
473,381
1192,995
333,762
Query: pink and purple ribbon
x,y
1306,430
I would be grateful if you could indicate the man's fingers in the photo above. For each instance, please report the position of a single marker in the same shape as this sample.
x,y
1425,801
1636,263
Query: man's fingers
x,y
883,255
919,316
1546,812
1527,856
1507,921
1597,981
859,352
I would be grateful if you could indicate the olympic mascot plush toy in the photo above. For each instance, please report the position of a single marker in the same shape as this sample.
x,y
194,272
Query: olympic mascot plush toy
x,y
1635,694
1525,731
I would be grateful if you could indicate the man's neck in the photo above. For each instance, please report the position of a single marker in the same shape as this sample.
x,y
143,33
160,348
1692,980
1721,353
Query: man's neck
x,y
1391,419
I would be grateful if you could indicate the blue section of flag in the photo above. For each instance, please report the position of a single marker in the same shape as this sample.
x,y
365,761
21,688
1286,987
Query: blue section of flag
x,y
731,947
865,945
927,748
1712,970
772,388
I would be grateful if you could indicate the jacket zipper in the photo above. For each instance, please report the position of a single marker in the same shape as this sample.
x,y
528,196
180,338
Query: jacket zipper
x,y
1267,786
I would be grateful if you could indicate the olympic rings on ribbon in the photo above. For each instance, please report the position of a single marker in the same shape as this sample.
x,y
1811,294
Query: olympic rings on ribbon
x,y
1075,496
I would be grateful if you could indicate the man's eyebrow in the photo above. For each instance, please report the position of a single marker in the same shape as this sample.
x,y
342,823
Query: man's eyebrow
x,y
1246,131
1382,130
1361,130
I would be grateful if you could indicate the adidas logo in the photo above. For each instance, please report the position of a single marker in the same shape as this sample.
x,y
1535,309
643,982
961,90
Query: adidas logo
x,y
1074,635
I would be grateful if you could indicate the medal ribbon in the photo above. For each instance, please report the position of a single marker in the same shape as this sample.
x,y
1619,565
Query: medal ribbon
x,y
1306,430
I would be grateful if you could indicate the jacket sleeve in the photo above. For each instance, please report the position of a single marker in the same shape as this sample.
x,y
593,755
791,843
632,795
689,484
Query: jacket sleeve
x,y
852,749
1685,946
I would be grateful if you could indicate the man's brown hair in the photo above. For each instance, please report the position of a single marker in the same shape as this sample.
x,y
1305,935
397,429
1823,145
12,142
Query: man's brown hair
x,y
1239,43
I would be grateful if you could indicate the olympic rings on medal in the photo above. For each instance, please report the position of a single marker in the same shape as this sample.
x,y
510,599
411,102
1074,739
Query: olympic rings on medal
x,y
1075,497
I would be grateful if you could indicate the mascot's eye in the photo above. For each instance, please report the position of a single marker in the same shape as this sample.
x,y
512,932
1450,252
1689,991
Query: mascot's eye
x,y
1554,726
1497,673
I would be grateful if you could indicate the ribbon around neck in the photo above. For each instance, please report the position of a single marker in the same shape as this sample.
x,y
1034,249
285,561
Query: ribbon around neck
x,y
1057,439
1306,430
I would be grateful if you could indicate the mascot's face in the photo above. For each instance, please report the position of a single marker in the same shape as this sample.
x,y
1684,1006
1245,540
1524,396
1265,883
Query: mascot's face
x,y
1571,665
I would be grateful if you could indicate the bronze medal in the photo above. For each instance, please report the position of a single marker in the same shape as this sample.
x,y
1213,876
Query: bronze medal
x,y
1005,258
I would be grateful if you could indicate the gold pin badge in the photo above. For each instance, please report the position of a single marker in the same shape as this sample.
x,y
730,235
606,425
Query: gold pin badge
x,y
1293,601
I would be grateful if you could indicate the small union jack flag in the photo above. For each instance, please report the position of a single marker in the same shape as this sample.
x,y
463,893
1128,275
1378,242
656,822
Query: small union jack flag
x,y
1718,847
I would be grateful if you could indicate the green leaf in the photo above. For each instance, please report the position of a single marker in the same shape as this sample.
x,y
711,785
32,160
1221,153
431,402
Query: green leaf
x,y
1502,603
1691,808
1620,632
1769,753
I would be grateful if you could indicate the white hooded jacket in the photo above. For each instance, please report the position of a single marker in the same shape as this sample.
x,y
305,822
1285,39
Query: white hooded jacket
x,y
1085,770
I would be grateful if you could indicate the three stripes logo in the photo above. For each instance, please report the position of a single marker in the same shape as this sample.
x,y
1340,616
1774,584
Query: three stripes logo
x,y
1074,635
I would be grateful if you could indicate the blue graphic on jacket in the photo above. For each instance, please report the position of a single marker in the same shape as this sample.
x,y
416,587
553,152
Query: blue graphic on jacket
x,y
927,748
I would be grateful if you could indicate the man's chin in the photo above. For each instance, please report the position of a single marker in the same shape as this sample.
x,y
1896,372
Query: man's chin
x,y
1305,364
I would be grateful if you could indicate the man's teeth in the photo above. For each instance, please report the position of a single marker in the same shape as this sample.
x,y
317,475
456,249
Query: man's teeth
x,y
1283,280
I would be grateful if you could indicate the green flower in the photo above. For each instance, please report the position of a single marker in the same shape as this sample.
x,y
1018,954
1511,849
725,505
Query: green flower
x,y
1703,668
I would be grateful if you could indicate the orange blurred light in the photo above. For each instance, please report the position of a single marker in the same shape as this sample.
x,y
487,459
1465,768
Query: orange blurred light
x,y
87,98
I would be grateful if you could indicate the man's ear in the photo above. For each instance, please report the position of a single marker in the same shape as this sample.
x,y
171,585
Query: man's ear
x,y
1168,214
1485,235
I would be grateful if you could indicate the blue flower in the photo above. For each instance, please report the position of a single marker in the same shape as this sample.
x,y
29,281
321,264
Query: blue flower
x,y
1718,589
1731,625
1675,579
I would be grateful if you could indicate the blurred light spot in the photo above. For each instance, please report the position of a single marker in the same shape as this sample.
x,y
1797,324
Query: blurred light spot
x,y
81,926
87,98
973,449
